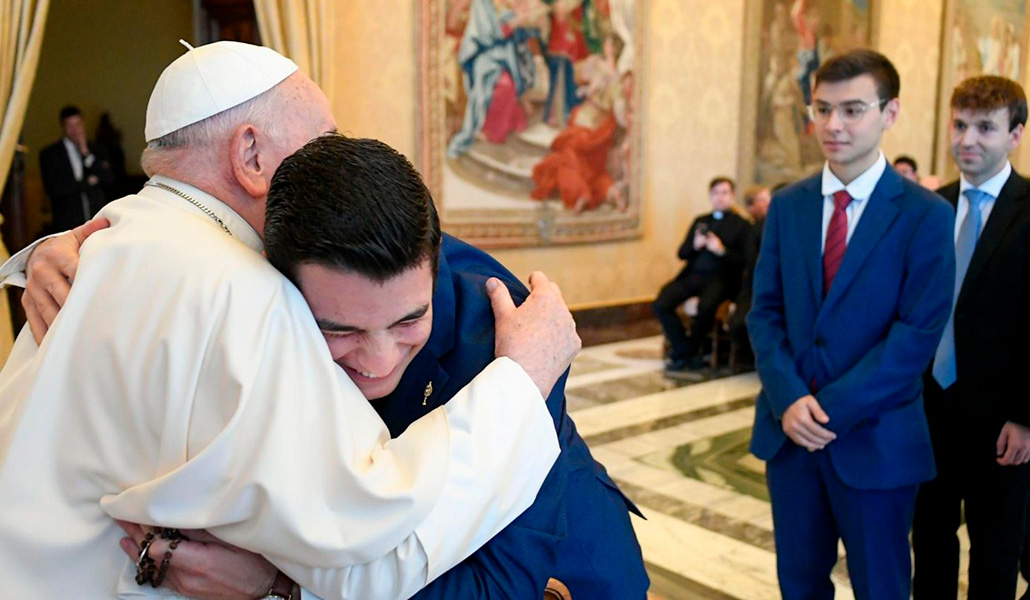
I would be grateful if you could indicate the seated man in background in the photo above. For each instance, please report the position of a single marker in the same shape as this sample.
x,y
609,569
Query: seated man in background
x,y
714,249
352,224
756,201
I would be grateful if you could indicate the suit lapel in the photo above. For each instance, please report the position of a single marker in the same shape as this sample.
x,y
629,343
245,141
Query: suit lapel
x,y
1006,207
810,234
876,218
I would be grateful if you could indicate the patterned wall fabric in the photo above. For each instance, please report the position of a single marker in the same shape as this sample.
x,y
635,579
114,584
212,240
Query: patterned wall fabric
x,y
693,76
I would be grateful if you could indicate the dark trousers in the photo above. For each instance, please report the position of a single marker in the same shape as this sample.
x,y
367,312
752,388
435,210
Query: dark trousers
x,y
995,505
812,509
738,329
1024,560
711,291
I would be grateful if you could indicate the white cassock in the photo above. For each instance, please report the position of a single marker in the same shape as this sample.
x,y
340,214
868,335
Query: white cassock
x,y
185,384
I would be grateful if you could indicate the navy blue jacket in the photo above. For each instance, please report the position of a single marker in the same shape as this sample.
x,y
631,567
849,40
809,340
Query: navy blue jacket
x,y
578,529
868,342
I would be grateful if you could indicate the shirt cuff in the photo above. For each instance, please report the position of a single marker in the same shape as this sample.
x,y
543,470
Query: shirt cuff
x,y
13,271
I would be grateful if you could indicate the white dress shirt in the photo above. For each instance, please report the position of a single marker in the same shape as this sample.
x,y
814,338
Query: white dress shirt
x,y
186,384
992,186
861,188
77,160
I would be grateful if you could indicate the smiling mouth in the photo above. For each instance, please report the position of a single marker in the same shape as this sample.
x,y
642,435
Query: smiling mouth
x,y
366,375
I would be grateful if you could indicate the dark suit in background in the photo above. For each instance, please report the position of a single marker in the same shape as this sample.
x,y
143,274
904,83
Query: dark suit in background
x,y
73,201
712,278
992,345
737,323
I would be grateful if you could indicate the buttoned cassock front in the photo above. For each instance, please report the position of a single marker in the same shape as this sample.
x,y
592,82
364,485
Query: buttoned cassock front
x,y
186,384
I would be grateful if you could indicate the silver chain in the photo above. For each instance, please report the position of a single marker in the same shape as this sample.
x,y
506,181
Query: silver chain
x,y
207,211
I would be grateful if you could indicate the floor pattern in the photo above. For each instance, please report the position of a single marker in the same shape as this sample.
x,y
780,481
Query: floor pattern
x,y
678,448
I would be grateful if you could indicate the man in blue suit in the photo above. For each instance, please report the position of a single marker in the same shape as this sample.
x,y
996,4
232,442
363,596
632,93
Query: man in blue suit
x,y
852,291
405,313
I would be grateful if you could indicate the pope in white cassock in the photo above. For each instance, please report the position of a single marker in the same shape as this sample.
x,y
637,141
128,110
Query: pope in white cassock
x,y
186,383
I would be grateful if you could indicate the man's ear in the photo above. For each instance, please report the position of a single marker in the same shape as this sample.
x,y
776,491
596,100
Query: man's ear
x,y
248,154
1015,137
890,113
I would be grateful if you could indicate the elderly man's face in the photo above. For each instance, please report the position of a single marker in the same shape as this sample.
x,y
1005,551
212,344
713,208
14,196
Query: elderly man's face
x,y
760,205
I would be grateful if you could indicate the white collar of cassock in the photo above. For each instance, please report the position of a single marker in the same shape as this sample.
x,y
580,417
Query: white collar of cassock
x,y
240,229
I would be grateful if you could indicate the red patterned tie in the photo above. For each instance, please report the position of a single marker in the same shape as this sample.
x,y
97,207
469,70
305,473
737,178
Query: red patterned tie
x,y
836,239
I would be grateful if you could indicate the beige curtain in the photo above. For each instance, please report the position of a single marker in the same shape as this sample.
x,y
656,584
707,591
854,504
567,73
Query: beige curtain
x,y
301,30
21,36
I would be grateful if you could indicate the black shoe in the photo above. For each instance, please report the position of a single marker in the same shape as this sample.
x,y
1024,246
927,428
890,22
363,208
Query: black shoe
x,y
694,363
677,364
684,371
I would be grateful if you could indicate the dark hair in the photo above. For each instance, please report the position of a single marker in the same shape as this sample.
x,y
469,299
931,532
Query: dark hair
x,y
862,62
989,93
353,204
69,110
721,179
906,160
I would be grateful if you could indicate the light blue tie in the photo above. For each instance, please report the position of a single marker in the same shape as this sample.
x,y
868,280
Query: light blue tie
x,y
944,369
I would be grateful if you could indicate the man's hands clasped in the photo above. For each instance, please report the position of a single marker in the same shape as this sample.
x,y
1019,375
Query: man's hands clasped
x,y
204,567
803,423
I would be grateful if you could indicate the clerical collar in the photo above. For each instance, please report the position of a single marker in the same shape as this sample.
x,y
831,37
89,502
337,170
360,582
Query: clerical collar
x,y
237,226
717,215
992,186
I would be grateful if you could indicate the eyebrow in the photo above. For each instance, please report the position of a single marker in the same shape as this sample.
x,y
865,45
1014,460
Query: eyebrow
x,y
334,327
859,100
980,121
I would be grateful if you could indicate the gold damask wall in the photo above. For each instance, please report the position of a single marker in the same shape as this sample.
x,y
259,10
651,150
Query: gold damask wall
x,y
691,121
910,33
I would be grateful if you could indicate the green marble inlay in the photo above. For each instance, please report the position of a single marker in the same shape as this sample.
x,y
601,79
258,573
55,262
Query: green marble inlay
x,y
725,461
722,461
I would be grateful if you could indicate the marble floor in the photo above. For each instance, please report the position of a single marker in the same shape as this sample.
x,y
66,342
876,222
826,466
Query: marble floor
x,y
678,448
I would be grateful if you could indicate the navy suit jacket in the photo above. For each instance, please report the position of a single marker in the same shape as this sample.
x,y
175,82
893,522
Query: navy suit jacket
x,y
866,345
545,541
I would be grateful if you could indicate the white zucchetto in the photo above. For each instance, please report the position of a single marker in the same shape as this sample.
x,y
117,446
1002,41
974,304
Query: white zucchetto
x,y
210,79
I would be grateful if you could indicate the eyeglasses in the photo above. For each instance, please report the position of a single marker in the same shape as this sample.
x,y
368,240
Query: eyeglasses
x,y
849,112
